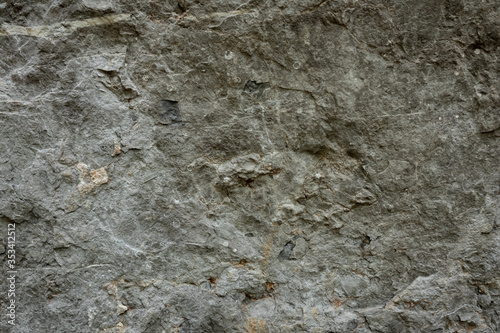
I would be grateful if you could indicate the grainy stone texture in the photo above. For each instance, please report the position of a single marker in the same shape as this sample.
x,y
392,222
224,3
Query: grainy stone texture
x,y
251,166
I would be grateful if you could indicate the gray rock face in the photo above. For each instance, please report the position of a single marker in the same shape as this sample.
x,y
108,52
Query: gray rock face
x,y
250,166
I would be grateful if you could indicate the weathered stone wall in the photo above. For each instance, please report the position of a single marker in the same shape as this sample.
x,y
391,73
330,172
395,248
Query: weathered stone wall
x,y
251,166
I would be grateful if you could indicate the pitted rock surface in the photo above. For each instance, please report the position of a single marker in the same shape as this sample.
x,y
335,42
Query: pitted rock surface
x,y
251,166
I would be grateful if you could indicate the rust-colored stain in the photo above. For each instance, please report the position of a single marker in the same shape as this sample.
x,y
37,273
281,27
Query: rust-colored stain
x,y
267,250
338,303
255,325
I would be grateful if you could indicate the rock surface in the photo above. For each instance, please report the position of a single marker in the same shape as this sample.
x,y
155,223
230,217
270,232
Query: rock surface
x,y
251,166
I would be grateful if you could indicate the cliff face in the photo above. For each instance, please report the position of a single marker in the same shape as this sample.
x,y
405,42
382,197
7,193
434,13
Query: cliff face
x,y
251,166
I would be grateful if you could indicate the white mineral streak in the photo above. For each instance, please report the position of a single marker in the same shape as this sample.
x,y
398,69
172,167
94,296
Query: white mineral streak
x,y
60,28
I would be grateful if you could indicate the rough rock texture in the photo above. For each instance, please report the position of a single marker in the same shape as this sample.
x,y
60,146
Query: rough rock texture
x,y
251,166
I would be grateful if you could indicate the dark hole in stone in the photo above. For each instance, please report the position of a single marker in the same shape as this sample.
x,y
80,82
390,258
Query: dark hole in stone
x,y
287,251
353,153
352,325
182,7
478,44
255,88
170,113
367,240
